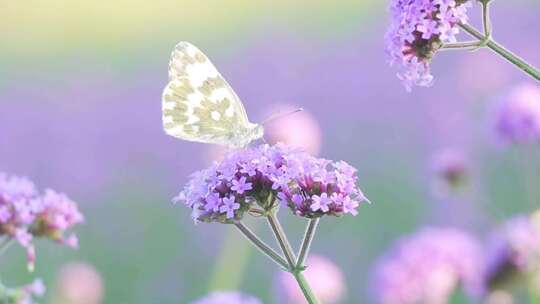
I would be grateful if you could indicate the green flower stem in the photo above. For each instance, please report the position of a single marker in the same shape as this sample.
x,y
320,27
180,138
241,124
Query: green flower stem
x,y
4,245
486,20
259,244
461,45
256,212
282,240
503,52
304,286
289,255
306,242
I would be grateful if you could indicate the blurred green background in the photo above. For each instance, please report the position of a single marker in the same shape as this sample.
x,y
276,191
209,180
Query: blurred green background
x,y
80,89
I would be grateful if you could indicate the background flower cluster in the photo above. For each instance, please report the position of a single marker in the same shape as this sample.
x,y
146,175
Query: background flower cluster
x,y
25,213
428,267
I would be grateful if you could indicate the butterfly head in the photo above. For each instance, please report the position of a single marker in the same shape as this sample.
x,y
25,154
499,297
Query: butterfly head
x,y
247,135
257,132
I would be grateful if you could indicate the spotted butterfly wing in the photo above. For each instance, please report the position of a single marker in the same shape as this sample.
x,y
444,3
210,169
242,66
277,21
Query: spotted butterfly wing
x,y
199,105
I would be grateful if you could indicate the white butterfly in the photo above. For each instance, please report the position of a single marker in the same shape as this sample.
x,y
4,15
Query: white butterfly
x,y
199,105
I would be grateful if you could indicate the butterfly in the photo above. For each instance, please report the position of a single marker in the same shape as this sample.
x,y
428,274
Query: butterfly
x,y
199,105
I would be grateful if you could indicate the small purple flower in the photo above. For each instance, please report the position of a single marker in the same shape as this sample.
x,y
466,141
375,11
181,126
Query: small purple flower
x,y
229,206
417,31
297,199
517,119
320,202
240,186
227,170
448,33
428,267
280,182
213,201
350,206
249,168
428,28
345,168
227,297
264,175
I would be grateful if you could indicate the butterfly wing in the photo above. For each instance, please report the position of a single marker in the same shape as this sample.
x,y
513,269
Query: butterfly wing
x,y
198,104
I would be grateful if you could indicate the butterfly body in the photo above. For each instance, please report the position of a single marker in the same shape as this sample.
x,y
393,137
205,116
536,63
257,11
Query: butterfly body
x,y
199,105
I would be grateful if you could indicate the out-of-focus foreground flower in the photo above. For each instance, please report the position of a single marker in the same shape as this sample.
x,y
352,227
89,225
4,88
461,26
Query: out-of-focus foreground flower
x,y
259,177
514,253
324,277
22,295
418,29
79,283
300,129
25,214
227,297
428,267
517,119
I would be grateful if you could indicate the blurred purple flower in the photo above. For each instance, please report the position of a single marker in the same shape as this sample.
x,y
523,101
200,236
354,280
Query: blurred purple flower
x,y
514,251
22,295
25,214
428,267
308,185
227,297
300,129
36,288
418,29
517,119
79,283
55,214
324,277
450,170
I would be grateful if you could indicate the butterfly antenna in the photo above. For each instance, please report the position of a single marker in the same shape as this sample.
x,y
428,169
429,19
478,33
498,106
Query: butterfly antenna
x,y
279,115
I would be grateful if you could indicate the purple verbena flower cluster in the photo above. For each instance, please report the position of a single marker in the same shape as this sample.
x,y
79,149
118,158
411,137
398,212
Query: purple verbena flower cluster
x,y
227,297
25,214
264,175
514,251
427,267
418,30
